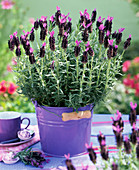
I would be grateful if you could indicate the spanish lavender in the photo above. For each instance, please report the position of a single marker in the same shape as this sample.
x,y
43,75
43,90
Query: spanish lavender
x,y
31,56
36,24
92,154
90,50
133,114
100,137
119,36
65,41
52,41
42,50
77,48
69,163
127,42
94,14
108,24
127,145
133,137
101,34
32,36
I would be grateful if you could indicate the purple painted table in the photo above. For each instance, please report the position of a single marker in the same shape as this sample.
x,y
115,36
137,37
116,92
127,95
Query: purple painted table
x,y
98,125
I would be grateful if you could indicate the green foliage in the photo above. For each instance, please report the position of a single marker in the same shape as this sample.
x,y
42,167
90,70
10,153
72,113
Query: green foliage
x,y
117,99
16,103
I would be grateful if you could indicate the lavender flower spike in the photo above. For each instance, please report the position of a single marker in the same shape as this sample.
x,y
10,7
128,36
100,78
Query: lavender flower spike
x,y
133,106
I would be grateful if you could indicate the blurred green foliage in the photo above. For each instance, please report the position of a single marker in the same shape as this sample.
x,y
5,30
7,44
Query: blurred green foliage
x,y
118,99
11,20
18,103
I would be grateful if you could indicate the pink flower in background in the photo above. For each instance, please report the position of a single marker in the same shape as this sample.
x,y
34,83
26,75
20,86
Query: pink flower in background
x,y
126,81
7,4
12,88
32,20
136,60
3,87
14,62
137,89
9,68
126,66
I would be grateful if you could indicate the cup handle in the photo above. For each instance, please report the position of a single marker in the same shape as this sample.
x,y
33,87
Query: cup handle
x,y
28,122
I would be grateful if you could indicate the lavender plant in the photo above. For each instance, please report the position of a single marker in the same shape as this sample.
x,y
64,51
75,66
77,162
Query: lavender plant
x,y
66,66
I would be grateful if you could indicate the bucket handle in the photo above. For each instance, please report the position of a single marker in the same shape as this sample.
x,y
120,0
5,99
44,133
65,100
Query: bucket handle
x,y
36,105
50,111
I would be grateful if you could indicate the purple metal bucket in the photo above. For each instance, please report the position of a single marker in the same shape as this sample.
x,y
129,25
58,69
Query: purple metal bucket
x,y
57,137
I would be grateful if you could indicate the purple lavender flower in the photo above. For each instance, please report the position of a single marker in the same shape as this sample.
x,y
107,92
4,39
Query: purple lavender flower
x,y
11,43
134,134
42,50
52,41
43,21
31,56
108,24
32,36
57,15
114,35
100,137
77,48
43,32
90,50
119,36
92,154
85,34
93,17
61,26
110,50
16,39
18,51
69,162
127,42
68,25
36,24
101,34
106,43
27,48
82,17
99,21
23,41
104,152
118,135
127,145
84,57
133,114
65,41
115,49
118,120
